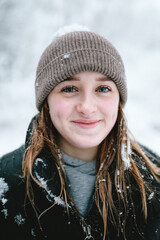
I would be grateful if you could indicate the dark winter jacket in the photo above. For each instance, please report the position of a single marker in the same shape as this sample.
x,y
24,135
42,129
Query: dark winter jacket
x,y
19,220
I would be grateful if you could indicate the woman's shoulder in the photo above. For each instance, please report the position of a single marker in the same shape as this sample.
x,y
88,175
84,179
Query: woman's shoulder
x,y
12,187
11,163
150,227
152,155
147,153
149,174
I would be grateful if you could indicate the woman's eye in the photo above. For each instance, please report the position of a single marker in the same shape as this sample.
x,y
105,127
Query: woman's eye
x,y
69,89
103,89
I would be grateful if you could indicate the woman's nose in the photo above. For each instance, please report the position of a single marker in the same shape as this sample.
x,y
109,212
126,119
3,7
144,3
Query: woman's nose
x,y
87,105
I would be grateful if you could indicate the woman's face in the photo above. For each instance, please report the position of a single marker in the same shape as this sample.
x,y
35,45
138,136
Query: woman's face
x,y
84,109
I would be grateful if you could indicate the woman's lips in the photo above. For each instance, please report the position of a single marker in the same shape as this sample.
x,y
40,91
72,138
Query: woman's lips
x,y
86,123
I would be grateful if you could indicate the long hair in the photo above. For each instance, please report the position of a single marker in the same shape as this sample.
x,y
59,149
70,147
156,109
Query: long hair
x,y
115,164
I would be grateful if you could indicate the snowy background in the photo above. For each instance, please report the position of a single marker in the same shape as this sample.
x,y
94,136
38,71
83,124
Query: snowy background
x,y
26,28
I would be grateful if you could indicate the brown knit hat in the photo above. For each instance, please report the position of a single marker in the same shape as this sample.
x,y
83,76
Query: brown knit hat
x,y
76,52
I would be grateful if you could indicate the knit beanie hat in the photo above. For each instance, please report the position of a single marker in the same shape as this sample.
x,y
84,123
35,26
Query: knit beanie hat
x,y
76,52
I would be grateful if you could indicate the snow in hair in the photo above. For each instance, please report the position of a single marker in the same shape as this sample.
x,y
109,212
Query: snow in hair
x,y
70,28
126,153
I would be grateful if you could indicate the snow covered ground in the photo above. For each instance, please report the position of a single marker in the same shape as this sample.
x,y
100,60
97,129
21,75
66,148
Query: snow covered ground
x,y
26,28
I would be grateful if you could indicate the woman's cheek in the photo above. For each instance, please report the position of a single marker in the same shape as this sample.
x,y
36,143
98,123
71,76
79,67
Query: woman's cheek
x,y
110,108
63,107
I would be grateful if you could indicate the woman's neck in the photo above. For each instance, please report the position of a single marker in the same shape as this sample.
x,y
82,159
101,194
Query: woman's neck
x,y
85,154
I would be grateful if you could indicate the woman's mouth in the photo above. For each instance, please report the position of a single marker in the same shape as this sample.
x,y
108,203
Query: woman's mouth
x,y
86,123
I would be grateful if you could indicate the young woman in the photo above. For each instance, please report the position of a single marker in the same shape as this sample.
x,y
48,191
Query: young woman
x,y
80,174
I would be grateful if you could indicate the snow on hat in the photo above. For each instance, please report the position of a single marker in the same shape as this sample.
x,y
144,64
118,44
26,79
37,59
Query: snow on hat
x,y
76,50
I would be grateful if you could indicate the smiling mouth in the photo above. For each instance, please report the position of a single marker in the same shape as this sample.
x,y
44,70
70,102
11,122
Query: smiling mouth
x,y
86,124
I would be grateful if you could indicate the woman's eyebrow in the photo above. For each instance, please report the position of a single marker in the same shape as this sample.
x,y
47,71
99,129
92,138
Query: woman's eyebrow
x,y
72,79
103,79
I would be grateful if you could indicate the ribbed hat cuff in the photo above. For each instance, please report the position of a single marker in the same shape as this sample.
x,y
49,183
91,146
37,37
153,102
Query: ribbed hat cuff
x,y
71,63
